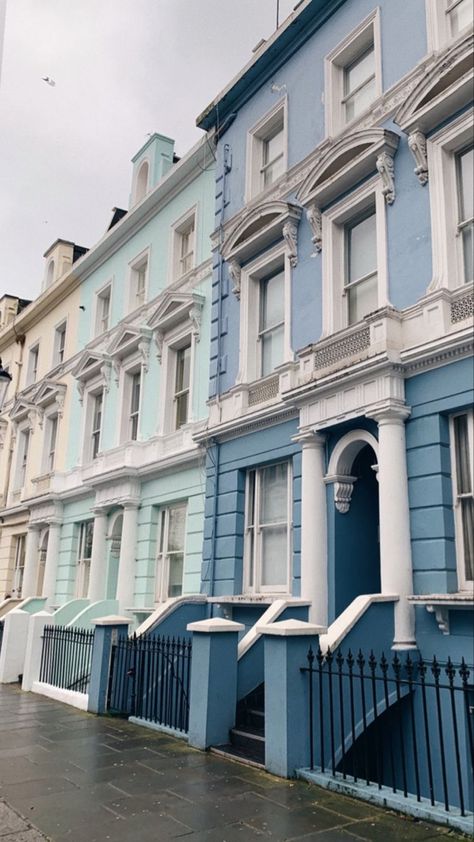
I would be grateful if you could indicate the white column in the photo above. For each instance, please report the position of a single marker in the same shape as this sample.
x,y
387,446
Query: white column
x,y
51,565
314,553
98,570
30,573
395,545
126,572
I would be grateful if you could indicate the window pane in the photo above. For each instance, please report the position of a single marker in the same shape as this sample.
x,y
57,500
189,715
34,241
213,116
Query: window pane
x,y
463,459
274,493
362,248
272,350
175,582
135,396
183,368
363,299
177,520
273,303
274,556
461,16
465,184
359,101
359,71
467,514
273,147
468,252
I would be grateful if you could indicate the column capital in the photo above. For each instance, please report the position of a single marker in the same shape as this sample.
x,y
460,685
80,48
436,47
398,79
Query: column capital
x,y
390,414
310,438
100,511
53,521
130,504
34,527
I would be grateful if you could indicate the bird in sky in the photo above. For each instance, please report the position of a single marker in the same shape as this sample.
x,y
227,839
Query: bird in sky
x,y
49,81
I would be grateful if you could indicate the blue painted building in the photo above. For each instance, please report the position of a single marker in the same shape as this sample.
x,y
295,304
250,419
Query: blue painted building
x,y
340,435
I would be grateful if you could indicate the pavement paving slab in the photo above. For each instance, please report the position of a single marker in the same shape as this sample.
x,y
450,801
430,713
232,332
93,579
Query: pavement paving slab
x,y
69,776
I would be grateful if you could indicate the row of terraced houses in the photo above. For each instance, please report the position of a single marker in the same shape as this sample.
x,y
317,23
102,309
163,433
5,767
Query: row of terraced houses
x,y
244,418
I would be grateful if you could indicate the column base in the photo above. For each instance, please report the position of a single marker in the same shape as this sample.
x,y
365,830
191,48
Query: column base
x,y
401,645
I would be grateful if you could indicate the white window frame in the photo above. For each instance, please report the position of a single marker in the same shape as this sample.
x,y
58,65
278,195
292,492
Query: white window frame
x,y
23,454
179,393
438,25
256,138
19,569
175,341
180,227
96,433
334,222
102,294
257,586
83,563
463,582
137,198
50,448
32,369
129,368
442,147
134,268
94,386
162,557
59,354
252,275
338,59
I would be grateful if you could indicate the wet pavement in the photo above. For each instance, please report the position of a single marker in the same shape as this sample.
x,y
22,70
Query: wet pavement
x,y
73,776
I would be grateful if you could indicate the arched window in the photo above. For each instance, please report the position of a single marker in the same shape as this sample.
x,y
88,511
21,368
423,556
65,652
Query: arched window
x,y
141,187
50,273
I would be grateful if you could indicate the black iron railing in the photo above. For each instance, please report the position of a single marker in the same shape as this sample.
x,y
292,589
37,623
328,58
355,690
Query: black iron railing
x,y
403,724
66,657
150,679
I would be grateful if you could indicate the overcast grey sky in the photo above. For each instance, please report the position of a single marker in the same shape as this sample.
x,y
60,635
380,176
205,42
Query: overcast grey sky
x,y
122,68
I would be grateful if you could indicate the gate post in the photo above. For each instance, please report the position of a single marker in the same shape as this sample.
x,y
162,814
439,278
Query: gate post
x,y
107,632
287,694
213,696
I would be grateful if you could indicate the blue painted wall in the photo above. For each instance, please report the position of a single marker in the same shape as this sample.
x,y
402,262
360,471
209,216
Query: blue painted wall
x,y
222,566
408,219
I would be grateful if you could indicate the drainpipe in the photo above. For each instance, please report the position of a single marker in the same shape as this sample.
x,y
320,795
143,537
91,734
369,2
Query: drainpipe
x,y
227,166
20,340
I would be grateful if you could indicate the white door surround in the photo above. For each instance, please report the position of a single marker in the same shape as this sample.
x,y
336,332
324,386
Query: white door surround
x,y
395,545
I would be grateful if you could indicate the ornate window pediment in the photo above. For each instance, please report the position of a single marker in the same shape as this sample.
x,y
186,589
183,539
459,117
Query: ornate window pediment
x,y
175,309
23,410
261,227
442,92
129,340
90,364
51,392
345,163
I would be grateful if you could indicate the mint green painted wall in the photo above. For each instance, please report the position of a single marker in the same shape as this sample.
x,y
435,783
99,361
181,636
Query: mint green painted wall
x,y
73,513
187,484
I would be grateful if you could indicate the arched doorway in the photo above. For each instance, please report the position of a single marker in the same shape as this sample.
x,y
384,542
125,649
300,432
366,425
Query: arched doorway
x,y
115,539
356,547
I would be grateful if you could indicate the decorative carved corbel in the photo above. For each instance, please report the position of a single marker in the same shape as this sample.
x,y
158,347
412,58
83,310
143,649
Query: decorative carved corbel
x,y
195,318
386,170
417,146
343,488
159,339
290,235
441,616
144,351
106,370
313,215
81,389
60,398
3,432
235,273
116,366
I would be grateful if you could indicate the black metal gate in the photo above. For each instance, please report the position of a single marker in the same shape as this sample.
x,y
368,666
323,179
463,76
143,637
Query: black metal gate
x,y
404,724
150,679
